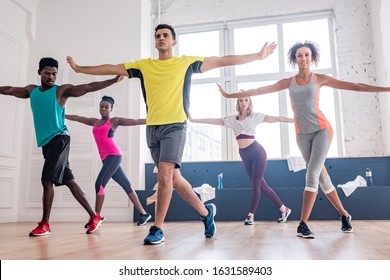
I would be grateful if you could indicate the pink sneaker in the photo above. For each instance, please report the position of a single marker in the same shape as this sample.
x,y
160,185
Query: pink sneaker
x,y
94,223
42,229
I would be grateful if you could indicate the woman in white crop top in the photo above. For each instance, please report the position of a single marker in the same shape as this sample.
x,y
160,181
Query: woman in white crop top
x,y
252,153
314,132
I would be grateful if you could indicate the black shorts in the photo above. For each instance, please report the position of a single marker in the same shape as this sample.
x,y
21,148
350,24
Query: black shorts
x,y
56,167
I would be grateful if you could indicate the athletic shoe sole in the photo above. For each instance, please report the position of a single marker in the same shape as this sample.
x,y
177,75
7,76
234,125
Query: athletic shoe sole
x,y
40,234
154,242
310,236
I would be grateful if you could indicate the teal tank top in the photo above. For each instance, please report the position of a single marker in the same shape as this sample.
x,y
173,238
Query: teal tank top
x,y
49,116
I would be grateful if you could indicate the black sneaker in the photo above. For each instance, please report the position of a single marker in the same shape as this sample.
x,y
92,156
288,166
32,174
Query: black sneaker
x,y
87,224
346,223
143,218
304,231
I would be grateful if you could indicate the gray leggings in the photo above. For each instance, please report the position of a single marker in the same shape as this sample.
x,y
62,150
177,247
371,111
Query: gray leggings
x,y
112,169
314,148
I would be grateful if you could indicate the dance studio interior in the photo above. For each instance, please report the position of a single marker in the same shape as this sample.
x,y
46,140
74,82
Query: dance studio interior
x,y
353,38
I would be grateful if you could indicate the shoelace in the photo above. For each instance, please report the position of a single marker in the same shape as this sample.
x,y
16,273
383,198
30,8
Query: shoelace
x,y
304,226
153,230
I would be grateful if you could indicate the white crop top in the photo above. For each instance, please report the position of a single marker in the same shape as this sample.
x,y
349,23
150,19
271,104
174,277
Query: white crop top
x,y
246,126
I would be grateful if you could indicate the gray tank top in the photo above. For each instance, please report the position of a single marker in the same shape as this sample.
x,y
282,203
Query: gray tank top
x,y
305,104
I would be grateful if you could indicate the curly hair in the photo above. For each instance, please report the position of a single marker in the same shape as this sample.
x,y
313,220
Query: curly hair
x,y
47,61
314,48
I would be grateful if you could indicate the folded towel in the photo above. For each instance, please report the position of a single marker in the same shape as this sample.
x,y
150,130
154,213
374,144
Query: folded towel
x,y
206,192
351,186
295,163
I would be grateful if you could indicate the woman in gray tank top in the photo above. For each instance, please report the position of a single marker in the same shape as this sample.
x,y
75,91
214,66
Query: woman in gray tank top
x,y
314,132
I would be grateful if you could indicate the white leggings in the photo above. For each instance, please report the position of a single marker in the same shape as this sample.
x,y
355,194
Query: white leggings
x,y
314,148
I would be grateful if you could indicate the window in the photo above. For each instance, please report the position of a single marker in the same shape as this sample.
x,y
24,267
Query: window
x,y
241,37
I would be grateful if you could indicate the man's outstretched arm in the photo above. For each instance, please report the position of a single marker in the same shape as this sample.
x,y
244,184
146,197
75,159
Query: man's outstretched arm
x,y
19,92
100,70
80,90
228,60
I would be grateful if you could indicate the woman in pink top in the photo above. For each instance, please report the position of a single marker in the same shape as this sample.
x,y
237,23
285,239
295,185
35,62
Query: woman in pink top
x,y
314,132
103,131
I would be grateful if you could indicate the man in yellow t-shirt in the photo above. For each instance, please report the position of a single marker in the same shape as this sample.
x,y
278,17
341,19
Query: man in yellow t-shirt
x,y
165,86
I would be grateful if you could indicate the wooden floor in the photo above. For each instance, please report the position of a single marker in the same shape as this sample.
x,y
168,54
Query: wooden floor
x,y
185,241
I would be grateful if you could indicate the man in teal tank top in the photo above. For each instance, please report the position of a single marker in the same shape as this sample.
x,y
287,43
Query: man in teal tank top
x,y
48,108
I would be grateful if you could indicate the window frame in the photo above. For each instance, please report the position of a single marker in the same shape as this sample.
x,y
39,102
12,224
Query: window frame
x,y
230,81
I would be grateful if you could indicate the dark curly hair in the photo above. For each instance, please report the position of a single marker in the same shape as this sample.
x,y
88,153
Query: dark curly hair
x,y
314,48
47,61
109,99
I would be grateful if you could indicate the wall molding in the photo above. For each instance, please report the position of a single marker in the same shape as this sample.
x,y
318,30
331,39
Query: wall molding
x,y
4,202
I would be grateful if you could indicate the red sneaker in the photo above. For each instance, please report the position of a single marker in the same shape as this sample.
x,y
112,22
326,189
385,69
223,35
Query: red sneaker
x,y
94,223
42,229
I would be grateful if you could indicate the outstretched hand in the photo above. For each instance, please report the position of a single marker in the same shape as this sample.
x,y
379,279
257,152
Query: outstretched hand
x,y
267,49
119,78
71,62
222,91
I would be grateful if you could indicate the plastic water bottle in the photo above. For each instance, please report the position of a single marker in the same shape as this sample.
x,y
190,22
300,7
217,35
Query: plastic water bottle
x,y
220,184
369,176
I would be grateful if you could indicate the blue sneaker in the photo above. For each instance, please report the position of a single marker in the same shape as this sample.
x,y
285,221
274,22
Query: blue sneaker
x,y
155,236
209,225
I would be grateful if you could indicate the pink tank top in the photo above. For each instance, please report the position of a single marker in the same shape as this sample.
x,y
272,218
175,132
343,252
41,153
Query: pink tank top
x,y
104,138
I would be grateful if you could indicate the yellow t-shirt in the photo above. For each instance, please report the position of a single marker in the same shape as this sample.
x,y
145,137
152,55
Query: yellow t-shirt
x,y
165,86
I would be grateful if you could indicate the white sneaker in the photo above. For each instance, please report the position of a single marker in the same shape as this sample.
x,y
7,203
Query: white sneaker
x,y
249,221
284,215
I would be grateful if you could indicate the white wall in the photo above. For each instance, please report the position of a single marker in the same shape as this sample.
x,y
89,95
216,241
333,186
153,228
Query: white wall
x,y
14,46
360,35
107,32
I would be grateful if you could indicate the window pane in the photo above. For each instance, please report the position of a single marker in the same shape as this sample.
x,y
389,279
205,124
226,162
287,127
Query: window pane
x,y
267,134
316,31
193,44
251,40
204,142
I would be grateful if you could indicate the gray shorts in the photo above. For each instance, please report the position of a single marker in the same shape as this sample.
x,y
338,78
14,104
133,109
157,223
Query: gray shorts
x,y
166,142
